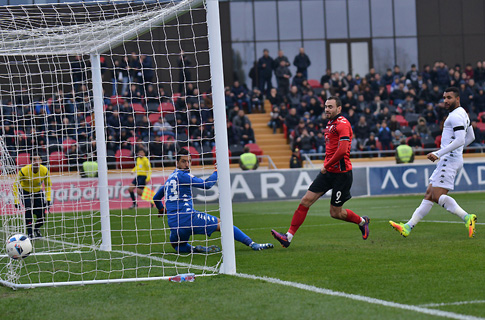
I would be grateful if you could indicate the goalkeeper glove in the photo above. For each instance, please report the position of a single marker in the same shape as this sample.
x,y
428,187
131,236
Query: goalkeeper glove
x,y
161,212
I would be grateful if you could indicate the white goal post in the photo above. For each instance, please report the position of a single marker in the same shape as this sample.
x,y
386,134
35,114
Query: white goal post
x,y
88,85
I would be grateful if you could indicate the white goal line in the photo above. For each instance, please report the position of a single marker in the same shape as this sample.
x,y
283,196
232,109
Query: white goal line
x,y
390,304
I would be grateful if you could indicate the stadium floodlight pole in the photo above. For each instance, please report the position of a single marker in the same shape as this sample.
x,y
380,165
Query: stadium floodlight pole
x,y
222,155
101,153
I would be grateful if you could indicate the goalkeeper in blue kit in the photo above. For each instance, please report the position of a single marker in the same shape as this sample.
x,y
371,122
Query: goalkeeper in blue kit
x,y
183,219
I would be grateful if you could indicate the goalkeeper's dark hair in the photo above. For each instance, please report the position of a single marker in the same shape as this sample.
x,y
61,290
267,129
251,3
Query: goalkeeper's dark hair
x,y
182,152
455,91
338,102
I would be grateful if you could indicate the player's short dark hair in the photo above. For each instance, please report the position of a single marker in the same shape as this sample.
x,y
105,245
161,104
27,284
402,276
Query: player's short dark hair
x,y
337,100
455,91
35,155
182,152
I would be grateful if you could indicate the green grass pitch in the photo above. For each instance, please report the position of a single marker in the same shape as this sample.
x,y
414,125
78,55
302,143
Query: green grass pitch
x,y
436,264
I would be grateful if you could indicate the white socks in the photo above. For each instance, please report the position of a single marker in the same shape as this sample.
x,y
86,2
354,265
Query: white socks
x,y
450,204
289,236
420,212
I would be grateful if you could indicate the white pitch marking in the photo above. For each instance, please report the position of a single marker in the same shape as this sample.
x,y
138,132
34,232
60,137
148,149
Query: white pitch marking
x,y
433,312
458,303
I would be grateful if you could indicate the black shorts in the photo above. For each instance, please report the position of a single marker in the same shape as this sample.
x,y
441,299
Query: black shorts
x,y
139,181
340,183
34,202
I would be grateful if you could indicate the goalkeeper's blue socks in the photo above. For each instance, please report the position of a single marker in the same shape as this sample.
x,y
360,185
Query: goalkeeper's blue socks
x,y
241,236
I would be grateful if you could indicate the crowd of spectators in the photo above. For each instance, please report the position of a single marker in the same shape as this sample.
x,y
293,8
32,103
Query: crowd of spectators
x,y
137,114
382,108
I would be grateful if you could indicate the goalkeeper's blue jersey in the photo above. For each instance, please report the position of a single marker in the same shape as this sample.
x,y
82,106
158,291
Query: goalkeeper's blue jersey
x,y
178,195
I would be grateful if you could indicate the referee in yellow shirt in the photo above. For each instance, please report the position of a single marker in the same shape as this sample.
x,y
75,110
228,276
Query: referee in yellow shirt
x,y
30,179
143,171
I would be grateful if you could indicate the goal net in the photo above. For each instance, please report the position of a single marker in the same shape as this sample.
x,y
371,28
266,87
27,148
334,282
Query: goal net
x,y
86,86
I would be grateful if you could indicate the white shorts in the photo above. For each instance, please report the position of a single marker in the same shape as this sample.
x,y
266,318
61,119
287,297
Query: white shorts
x,y
444,174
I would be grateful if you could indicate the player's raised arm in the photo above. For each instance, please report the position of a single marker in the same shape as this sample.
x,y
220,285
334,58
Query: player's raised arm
x,y
196,182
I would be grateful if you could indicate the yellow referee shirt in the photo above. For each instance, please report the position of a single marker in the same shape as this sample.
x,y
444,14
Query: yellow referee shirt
x,y
143,168
32,182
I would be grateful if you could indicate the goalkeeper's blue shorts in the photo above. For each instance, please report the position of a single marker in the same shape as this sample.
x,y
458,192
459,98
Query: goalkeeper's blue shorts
x,y
199,223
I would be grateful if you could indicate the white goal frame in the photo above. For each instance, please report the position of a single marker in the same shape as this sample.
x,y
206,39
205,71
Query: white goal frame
x,y
97,48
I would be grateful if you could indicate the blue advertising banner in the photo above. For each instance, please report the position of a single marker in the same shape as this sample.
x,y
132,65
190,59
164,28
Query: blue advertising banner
x,y
414,178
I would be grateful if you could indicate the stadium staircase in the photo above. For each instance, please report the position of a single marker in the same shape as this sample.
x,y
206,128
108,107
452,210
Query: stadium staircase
x,y
273,145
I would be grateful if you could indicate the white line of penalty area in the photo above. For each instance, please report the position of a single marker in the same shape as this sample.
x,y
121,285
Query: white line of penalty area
x,y
390,304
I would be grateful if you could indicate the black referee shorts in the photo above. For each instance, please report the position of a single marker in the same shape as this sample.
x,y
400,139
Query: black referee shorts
x,y
140,181
340,183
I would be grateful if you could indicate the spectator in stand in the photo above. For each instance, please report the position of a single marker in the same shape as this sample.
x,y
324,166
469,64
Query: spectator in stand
x,y
362,131
305,142
479,136
397,136
479,101
240,95
413,76
247,134
408,105
385,115
466,96
291,120
134,94
479,74
274,97
294,97
436,94
371,144
393,124
415,141
319,140
254,75
233,134
241,120
353,117
424,92
184,65
388,78
275,121
398,95
295,160
265,70
283,75
378,105
397,73
385,136
135,68
279,58
321,122
257,101
422,128
228,98
297,81
147,72
302,62
383,93
327,77
442,79
469,71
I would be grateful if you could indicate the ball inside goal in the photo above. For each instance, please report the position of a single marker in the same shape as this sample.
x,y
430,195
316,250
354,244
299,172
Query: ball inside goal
x,y
19,246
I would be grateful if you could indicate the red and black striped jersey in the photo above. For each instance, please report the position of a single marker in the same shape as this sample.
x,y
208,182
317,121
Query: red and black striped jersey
x,y
338,129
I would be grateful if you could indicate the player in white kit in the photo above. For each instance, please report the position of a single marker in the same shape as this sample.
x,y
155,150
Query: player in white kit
x,y
457,134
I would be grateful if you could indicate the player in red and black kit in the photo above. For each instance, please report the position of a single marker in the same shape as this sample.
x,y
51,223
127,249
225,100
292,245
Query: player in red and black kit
x,y
336,174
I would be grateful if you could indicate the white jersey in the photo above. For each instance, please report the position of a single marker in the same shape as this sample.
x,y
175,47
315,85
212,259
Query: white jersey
x,y
457,120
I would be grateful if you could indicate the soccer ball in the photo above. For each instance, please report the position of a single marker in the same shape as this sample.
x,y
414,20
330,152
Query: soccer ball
x,y
19,246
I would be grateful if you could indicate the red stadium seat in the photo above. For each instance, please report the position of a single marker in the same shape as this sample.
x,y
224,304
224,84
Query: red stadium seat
x,y
481,126
124,159
57,161
67,143
153,117
437,141
166,107
175,97
254,148
138,108
481,117
402,122
23,159
314,83
194,155
115,100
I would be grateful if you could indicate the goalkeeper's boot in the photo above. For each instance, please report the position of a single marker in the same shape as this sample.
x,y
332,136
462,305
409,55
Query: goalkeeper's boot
x,y
470,220
365,227
282,238
206,250
403,229
133,206
261,246
37,234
